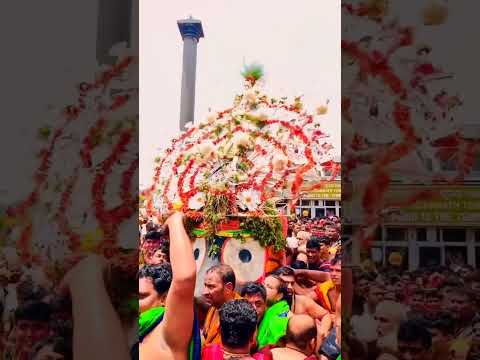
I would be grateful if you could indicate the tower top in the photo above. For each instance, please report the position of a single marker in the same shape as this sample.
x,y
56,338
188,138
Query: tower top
x,y
190,27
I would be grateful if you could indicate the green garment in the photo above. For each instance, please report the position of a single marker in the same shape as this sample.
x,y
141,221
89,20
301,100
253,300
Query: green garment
x,y
273,325
149,318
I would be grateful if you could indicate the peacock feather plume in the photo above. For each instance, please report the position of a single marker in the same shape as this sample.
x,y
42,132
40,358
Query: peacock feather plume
x,y
252,72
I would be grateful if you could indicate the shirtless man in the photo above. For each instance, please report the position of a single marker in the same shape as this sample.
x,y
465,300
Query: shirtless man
x,y
301,339
170,339
300,304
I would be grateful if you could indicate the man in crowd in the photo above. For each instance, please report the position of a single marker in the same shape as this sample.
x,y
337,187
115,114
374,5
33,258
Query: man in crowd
x,y
238,322
329,291
301,339
317,254
219,287
161,255
274,323
414,341
300,304
31,326
166,301
461,304
256,295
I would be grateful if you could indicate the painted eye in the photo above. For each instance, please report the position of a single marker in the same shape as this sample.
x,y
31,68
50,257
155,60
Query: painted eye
x,y
247,259
199,252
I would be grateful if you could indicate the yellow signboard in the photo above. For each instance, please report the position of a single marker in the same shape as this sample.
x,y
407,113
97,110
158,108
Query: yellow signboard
x,y
454,205
330,191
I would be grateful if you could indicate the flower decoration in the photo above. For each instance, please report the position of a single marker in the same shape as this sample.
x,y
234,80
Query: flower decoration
x,y
197,201
69,197
248,200
279,162
239,160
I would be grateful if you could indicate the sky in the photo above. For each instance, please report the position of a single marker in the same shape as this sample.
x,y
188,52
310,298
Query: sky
x,y
298,45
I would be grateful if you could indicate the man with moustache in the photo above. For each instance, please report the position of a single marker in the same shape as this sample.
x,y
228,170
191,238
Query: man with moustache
x,y
219,287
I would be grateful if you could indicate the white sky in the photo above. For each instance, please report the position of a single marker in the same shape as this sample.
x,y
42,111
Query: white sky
x,y
298,44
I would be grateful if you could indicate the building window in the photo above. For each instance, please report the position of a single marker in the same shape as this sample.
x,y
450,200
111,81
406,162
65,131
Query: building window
x,y
454,235
421,234
396,234
430,256
319,208
477,235
319,212
377,255
449,165
477,256
455,255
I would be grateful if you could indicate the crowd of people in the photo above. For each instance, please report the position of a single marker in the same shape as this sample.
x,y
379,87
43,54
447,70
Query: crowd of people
x,y
430,313
293,312
74,316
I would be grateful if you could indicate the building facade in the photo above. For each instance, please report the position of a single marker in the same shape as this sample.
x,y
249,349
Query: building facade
x,y
323,202
439,231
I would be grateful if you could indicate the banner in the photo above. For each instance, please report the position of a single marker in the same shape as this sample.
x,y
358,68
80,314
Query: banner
x,y
331,191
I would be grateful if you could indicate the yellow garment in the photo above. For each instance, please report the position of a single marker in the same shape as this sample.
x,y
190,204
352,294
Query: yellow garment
x,y
322,295
333,250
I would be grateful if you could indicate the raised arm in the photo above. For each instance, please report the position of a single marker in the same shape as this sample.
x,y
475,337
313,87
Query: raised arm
x,y
315,275
178,318
313,309
96,325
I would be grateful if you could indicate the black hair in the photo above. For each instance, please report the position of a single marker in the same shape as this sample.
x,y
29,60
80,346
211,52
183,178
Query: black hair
x,y
444,323
165,248
313,243
282,287
253,288
150,226
227,275
336,259
412,331
34,311
299,264
238,322
161,276
153,235
302,338
283,271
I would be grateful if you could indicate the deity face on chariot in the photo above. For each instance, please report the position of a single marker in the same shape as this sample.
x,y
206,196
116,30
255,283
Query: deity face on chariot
x,y
248,259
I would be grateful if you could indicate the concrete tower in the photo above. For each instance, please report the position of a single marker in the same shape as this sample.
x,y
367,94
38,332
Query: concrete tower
x,y
191,30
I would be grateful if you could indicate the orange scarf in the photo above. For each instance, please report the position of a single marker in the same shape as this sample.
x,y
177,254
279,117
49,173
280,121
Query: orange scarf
x,y
211,327
322,295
